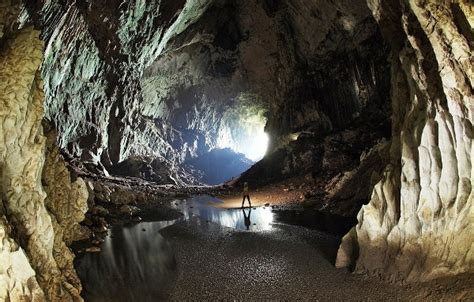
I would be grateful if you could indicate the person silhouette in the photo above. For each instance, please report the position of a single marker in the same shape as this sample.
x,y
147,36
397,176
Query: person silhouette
x,y
246,194
247,221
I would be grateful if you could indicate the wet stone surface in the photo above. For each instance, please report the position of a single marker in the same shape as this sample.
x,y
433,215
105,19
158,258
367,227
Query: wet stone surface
x,y
216,253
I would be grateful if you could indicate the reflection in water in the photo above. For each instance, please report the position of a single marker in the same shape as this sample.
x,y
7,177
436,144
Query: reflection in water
x,y
133,265
136,263
247,221
262,218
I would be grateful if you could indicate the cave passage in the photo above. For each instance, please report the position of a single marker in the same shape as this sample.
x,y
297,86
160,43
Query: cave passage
x,y
239,145
132,130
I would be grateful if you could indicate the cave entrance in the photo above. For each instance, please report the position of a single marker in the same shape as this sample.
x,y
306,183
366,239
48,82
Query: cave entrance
x,y
239,142
245,134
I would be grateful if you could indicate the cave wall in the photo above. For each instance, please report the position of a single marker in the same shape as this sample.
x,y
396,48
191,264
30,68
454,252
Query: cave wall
x,y
419,224
303,79
17,278
183,83
35,262
95,55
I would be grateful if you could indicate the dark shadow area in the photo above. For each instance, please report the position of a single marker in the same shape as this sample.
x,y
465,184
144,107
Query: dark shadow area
x,y
324,222
141,167
135,264
219,165
462,23
335,226
247,220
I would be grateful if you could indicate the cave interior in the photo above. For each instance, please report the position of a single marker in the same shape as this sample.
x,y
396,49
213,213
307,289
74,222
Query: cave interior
x,y
129,130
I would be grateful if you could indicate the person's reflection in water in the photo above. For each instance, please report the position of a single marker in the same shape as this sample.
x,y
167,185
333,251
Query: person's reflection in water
x,y
247,218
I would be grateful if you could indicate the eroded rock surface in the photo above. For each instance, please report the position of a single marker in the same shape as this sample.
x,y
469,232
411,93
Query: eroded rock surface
x,y
166,82
35,262
66,197
419,223
17,277
96,53
22,155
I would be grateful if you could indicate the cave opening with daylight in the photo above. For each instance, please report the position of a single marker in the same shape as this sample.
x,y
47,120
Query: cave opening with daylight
x,y
239,142
207,150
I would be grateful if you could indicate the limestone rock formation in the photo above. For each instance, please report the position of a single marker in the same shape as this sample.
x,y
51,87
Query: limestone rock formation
x,y
66,198
419,223
22,153
35,262
346,193
145,88
181,85
96,52
8,17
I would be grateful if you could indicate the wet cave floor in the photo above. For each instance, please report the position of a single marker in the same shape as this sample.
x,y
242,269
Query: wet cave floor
x,y
216,253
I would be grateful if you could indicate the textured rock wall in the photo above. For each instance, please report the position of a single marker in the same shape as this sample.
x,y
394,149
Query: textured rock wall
x,y
17,277
22,153
419,223
182,84
66,202
95,55
247,54
60,186
35,263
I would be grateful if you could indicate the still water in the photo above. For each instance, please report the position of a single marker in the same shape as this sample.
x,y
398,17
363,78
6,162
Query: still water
x,y
252,219
137,264
134,264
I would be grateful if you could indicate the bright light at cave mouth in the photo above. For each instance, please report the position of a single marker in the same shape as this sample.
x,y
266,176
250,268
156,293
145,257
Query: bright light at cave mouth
x,y
257,146
243,131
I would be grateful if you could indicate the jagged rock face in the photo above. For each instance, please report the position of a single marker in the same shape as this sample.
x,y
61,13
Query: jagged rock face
x,y
169,81
35,262
419,223
8,17
22,154
95,55
60,187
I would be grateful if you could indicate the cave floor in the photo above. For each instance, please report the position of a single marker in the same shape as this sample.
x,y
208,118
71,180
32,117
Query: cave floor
x,y
289,192
208,254
288,263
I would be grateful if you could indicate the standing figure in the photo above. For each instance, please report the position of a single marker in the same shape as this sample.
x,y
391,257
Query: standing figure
x,y
246,194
